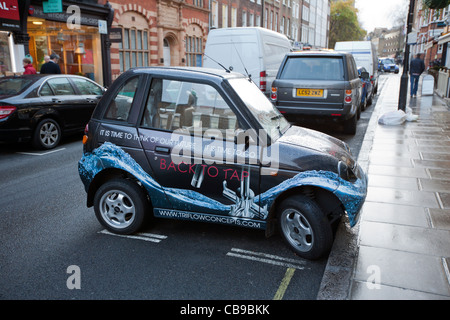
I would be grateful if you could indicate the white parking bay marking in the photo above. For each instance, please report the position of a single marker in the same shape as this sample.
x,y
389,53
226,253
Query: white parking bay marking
x,y
41,153
152,237
267,258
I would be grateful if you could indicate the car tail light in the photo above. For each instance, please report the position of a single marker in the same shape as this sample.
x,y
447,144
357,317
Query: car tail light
x,y
86,131
262,81
6,111
348,96
273,94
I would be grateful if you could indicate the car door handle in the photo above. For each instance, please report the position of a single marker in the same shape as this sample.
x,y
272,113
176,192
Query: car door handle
x,y
90,100
56,100
162,149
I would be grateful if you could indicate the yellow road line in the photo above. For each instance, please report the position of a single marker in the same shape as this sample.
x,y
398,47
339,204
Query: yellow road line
x,y
284,284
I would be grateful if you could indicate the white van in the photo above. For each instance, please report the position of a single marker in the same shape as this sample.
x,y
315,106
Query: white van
x,y
253,50
365,55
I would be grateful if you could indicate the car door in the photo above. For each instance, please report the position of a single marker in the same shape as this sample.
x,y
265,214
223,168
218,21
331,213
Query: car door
x,y
58,94
90,95
188,134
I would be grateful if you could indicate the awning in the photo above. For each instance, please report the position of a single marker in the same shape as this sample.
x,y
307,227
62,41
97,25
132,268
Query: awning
x,y
443,39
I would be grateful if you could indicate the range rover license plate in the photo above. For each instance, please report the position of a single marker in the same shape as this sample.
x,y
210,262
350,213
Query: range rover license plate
x,y
309,92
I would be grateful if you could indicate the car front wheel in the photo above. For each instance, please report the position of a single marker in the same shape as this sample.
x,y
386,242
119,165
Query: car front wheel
x,y
121,206
304,227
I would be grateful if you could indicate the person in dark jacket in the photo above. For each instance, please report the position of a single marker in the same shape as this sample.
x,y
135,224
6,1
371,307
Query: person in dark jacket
x,y
51,67
29,69
416,67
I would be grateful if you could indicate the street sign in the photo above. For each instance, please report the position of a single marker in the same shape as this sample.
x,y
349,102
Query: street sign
x,y
52,6
102,27
115,35
412,38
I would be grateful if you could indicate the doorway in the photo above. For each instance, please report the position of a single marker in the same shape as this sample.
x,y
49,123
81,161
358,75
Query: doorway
x,y
166,53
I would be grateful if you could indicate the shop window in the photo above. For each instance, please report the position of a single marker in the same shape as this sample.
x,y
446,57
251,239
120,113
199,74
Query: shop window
x,y
133,51
79,50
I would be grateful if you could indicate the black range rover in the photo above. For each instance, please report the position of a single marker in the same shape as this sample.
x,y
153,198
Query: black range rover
x,y
207,145
319,85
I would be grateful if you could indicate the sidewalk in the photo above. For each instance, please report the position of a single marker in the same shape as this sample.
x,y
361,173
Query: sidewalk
x,y
400,248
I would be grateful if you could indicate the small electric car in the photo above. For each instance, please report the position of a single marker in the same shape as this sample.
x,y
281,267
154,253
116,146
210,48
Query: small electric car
x,y
207,145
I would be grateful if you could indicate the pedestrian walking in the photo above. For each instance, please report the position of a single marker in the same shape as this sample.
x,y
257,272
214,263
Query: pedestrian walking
x,y
416,67
29,69
51,67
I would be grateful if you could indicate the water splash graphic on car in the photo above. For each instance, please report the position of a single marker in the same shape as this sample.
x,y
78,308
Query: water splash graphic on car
x,y
109,155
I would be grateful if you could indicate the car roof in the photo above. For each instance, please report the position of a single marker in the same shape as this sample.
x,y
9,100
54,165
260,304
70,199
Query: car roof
x,y
318,53
187,71
37,77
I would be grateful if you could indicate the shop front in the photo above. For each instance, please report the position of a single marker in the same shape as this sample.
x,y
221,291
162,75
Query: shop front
x,y
81,47
9,22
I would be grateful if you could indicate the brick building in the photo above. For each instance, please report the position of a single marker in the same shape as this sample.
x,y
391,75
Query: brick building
x,y
159,32
111,36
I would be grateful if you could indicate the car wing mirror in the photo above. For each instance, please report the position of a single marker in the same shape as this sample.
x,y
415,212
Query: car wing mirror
x,y
365,75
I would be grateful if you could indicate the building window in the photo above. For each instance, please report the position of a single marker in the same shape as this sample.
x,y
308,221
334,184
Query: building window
x,y
276,21
271,20
233,17
215,14
224,16
133,51
194,51
265,18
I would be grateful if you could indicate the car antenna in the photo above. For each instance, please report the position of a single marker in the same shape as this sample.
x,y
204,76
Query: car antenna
x,y
242,62
227,70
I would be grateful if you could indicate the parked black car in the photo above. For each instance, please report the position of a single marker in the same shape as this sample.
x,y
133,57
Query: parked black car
x,y
318,85
42,108
207,145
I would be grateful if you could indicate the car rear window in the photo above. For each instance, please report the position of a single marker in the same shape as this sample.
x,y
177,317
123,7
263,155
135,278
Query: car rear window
x,y
313,68
14,86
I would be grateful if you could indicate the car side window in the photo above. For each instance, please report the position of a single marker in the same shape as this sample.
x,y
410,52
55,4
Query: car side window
x,y
176,104
61,86
87,87
120,106
353,74
46,90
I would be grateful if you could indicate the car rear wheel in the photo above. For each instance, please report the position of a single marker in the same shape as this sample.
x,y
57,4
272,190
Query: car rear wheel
x,y
304,227
47,134
120,206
